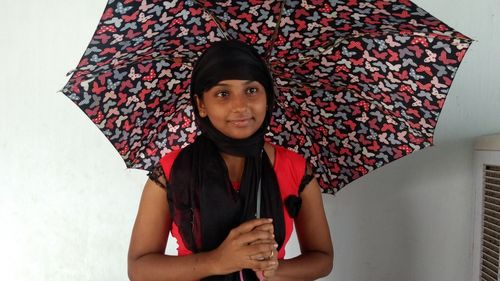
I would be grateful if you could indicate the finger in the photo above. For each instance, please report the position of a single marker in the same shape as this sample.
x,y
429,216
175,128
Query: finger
x,y
250,225
263,256
259,257
266,227
261,265
260,251
268,256
253,236
271,270
268,273
263,241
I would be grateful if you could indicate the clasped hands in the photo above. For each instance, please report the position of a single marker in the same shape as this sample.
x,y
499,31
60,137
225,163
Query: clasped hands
x,y
251,245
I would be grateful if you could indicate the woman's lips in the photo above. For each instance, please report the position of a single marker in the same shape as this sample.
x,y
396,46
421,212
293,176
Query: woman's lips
x,y
240,122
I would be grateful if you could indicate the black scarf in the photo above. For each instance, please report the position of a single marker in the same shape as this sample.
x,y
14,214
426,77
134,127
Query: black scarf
x,y
202,200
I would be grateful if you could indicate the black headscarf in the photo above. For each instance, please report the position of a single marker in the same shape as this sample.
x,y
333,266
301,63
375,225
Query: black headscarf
x,y
202,200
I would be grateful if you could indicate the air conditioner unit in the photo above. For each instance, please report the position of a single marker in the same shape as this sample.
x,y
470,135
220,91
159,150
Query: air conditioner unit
x,y
486,248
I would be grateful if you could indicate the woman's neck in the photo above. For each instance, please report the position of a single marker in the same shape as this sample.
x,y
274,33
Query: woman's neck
x,y
235,166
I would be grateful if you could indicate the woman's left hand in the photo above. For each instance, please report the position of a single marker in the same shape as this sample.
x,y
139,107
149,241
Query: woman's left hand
x,y
269,272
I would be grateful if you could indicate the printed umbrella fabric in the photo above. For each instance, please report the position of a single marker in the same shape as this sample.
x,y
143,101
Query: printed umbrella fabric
x,y
360,83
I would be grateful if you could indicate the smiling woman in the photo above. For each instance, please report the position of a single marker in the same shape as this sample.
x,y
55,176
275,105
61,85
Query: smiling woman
x,y
209,194
237,108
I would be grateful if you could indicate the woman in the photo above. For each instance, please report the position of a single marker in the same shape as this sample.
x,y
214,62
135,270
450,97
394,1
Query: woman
x,y
206,194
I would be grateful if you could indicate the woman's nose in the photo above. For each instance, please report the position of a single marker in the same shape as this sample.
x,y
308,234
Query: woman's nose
x,y
239,103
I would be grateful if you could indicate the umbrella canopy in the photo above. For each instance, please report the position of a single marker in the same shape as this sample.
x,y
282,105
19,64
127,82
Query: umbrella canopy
x,y
359,83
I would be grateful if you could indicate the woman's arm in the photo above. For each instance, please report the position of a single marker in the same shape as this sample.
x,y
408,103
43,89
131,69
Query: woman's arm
x,y
147,261
316,259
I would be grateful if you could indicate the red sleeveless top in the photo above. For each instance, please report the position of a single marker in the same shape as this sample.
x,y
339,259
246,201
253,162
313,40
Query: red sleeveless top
x,y
289,168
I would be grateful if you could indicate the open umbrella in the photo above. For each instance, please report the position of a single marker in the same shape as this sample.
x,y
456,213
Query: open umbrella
x,y
360,83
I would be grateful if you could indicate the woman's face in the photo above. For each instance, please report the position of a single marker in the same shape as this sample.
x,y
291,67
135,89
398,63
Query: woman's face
x,y
237,108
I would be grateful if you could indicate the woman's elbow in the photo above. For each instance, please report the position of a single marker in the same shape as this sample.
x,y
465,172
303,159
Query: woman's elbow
x,y
133,271
327,264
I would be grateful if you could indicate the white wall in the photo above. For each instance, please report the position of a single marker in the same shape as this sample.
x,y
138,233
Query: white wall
x,y
67,203
411,220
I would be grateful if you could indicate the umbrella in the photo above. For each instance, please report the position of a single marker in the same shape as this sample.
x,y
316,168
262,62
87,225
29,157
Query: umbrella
x,y
359,83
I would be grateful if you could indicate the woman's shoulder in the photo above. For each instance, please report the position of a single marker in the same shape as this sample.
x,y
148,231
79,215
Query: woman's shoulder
x,y
167,160
289,164
283,153
161,171
170,156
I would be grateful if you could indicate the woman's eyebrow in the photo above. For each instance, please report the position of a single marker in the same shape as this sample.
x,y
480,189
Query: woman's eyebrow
x,y
245,83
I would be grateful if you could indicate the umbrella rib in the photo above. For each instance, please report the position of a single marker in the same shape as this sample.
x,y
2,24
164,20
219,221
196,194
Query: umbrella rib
x,y
215,19
129,64
310,135
212,16
387,111
336,42
276,30
374,102
303,84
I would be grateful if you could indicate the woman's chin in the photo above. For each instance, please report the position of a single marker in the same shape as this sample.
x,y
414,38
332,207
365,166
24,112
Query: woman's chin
x,y
240,133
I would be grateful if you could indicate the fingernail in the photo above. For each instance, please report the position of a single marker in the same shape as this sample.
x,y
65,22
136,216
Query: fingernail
x,y
275,245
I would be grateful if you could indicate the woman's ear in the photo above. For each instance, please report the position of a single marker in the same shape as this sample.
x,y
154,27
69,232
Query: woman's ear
x,y
201,106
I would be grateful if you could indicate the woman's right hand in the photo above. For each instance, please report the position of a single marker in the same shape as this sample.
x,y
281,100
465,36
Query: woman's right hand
x,y
246,246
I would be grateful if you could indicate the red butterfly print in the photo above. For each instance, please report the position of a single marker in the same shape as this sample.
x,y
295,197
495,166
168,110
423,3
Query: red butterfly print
x,y
403,14
143,93
394,56
130,18
358,62
110,122
96,89
445,59
108,14
145,26
418,51
380,55
196,31
245,16
426,69
151,152
108,51
126,84
351,124
425,87
195,12
355,44
123,98
104,38
388,127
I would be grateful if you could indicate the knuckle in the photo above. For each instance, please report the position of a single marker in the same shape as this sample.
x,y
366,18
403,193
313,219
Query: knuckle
x,y
266,247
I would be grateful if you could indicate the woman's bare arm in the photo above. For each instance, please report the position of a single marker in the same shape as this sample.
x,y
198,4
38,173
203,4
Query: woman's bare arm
x,y
146,258
316,259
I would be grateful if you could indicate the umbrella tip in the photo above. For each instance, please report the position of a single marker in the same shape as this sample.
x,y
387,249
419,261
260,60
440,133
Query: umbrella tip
x,y
70,72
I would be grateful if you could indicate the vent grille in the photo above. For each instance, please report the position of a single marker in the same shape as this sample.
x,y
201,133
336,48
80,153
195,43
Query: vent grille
x,y
490,255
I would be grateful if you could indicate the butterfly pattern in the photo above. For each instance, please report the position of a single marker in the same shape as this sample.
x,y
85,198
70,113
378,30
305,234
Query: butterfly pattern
x,y
359,83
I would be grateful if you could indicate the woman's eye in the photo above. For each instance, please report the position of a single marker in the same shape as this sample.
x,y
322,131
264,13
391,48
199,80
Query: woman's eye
x,y
252,90
221,94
